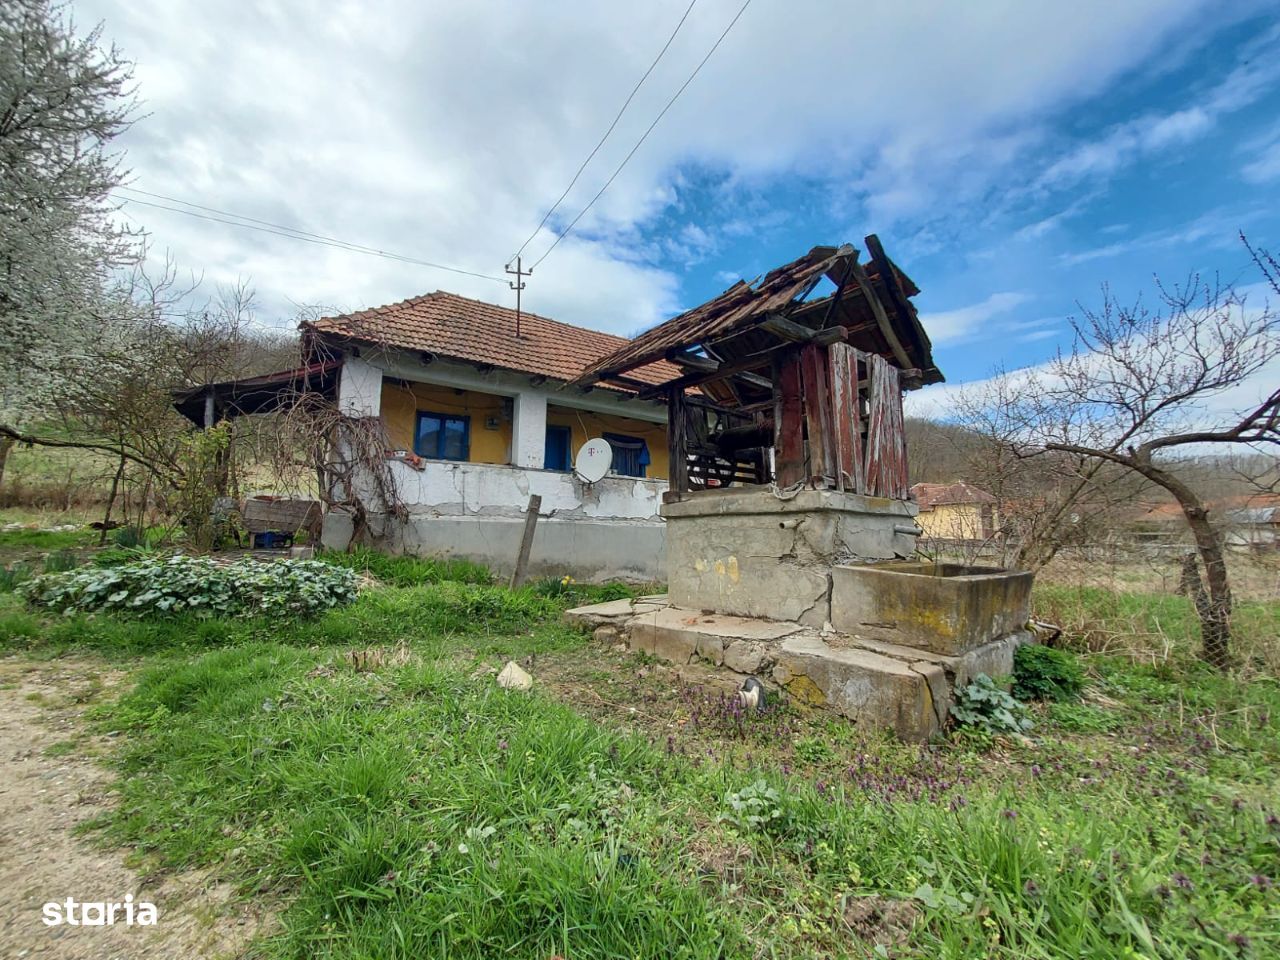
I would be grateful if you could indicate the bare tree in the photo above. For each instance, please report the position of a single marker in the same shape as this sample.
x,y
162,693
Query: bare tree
x,y
1140,386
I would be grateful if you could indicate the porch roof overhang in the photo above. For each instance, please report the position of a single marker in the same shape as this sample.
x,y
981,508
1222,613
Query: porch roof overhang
x,y
727,345
261,394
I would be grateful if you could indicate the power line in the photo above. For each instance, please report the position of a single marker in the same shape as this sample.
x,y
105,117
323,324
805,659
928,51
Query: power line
x,y
293,233
564,233
626,103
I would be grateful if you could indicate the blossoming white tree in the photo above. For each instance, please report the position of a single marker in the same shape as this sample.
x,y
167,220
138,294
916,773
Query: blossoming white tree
x,y
63,99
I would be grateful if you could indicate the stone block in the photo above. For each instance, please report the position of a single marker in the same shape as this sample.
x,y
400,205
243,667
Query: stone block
x,y
616,612
678,635
746,656
873,690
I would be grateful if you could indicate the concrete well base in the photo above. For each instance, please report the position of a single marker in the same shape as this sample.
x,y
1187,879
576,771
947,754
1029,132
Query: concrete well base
x,y
879,685
751,553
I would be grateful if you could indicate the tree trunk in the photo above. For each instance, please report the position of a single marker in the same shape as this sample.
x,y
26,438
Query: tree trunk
x,y
1215,615
1215,610
6,444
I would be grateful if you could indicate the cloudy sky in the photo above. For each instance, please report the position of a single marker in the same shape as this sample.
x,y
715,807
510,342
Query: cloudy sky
x,y
1012,156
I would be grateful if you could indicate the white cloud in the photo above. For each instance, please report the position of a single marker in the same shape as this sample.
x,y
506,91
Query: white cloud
x,y
1128,142
1265,166
949,326
443,130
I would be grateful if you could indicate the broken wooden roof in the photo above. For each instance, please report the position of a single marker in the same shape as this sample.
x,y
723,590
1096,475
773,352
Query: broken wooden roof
x,y
732,337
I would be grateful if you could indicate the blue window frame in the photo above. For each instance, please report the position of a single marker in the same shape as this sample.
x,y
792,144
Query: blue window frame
x,y
442,436
630,455
556,454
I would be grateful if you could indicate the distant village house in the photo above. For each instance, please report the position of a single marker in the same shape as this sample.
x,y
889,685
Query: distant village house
x,y
955,511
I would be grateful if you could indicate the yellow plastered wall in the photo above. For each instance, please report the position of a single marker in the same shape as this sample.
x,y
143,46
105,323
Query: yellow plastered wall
x,y
953,521
583,425
401,403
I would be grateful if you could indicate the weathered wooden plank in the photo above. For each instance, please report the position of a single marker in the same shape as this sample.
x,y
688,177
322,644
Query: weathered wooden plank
x,y
526,541
786,329
788,421
817,408
886,452
843,363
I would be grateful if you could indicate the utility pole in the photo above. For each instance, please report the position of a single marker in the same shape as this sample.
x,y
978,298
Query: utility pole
x,y
517,285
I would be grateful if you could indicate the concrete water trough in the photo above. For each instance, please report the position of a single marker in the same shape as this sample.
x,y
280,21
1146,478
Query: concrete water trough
x,y
946,608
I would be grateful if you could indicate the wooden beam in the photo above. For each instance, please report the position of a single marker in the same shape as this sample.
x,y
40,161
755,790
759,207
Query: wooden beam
x,y
897,298
526,541
707,365
780,326
882,318
677,447
697,378
788,421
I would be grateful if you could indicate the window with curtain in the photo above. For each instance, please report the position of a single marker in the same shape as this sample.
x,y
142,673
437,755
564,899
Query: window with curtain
x,y
442,436
556,454
630,455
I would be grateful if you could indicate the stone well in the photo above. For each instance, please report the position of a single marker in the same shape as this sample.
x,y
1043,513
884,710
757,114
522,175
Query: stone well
x,y
811,594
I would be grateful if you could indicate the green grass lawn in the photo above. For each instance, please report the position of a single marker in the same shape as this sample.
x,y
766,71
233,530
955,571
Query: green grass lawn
x,y
363,772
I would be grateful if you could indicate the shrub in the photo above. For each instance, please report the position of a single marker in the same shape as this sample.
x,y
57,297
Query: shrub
x,y
1043,673
198,585
984,705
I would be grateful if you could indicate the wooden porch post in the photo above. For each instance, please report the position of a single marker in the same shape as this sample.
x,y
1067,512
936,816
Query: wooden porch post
x,y
678,469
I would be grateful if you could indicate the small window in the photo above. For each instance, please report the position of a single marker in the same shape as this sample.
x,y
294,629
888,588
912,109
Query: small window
x,y
441,436
556,455
630,455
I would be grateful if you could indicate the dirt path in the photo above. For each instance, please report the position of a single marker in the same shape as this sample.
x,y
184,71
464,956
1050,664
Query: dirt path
x,y
44,795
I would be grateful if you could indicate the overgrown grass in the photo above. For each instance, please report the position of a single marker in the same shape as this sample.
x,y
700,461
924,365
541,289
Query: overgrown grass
x,y
419,811
1154,627
407,571
404,806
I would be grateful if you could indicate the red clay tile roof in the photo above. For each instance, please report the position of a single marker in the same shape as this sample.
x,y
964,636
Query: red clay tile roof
x,y
464,329
930,495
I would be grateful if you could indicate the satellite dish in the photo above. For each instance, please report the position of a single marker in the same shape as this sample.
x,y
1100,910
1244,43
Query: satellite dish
x,y
593,460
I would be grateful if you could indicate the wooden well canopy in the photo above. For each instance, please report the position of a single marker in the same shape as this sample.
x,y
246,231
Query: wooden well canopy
x,y
779,385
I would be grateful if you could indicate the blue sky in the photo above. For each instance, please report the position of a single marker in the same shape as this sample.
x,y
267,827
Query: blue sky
x,y
1012,156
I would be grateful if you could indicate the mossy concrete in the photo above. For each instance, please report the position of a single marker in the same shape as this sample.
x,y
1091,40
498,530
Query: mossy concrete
x,y
876,684
943,608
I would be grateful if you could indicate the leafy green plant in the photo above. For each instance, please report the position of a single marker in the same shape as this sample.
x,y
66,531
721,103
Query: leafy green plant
x,y
1043,673
198,585
755,807
984,705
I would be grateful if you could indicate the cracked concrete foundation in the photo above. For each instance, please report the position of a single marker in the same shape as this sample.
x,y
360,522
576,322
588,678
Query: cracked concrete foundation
x,y
752,553
882,686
